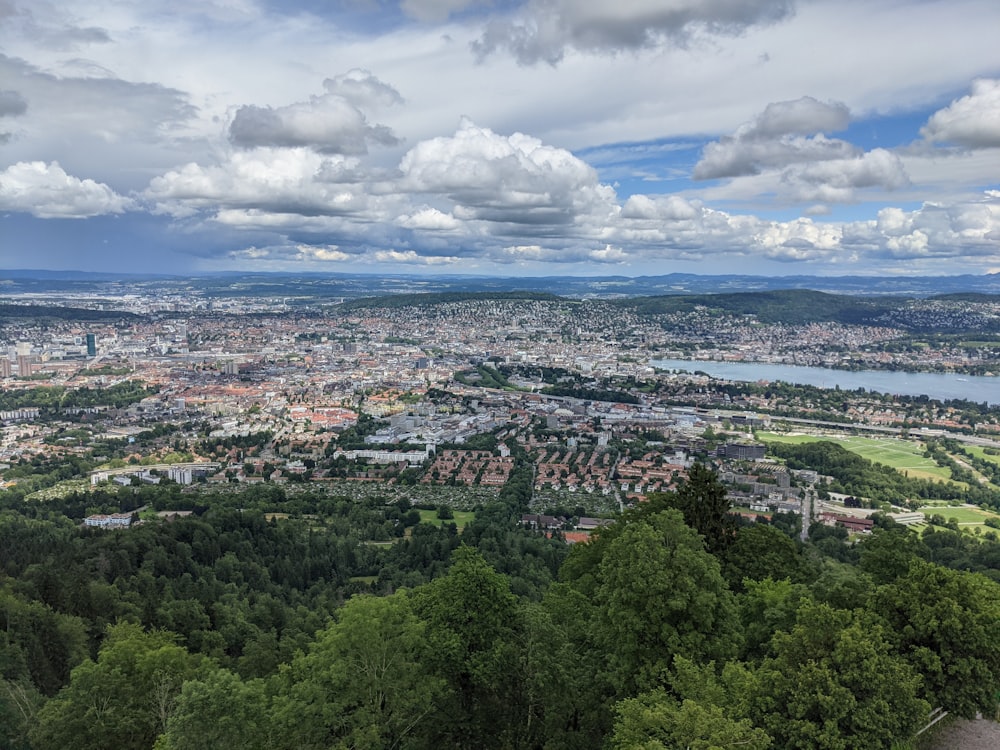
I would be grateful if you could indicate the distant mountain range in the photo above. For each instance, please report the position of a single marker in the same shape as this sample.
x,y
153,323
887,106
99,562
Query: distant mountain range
x,y
352,286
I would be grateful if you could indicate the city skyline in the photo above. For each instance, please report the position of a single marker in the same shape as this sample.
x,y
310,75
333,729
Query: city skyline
x,y
543,137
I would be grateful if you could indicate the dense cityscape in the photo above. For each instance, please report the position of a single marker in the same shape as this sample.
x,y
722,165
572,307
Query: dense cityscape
x,y
155,442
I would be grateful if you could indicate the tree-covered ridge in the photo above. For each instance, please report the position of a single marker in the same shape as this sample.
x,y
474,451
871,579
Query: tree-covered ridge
x,y
781,306
440,298
677,626
35,312
50,398
942,314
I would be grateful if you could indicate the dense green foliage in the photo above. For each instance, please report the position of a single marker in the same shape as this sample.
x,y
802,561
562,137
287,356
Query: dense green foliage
x,y
351,624
51,398
798,306
39,313
781,306
855,475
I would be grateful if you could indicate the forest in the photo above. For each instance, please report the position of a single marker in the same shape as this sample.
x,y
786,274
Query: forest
x,y
265,621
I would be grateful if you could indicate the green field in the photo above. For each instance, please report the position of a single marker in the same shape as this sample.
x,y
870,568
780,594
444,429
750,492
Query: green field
x,y
904,455
462,518
964,516
979,452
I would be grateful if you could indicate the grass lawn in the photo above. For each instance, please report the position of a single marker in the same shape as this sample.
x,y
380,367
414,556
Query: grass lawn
x,y
964,516
780,437
462,518
979,452
904,455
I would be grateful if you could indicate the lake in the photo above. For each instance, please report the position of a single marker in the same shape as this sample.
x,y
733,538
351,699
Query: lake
x,y
940,386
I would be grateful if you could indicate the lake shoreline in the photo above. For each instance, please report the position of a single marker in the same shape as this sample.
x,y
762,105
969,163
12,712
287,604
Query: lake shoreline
x,y
937,386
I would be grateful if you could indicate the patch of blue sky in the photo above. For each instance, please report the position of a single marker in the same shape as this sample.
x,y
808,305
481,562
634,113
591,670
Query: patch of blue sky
x,y
838,213
370,18
886,131
647,167
378,17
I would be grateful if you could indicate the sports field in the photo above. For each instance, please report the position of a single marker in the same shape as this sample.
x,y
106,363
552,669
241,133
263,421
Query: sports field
x,y
462,518
964,516
903,455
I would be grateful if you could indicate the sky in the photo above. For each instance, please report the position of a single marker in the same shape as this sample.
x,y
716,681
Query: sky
x,y
503,137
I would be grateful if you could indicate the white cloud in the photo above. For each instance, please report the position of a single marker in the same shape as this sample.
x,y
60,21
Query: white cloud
x,y
297,253
411,257
429,219
544,29
331,123
836,181
777,137
798,166
969,230
149,107
325,254
608,254
281,180
734,157
112,107
660,208
972,121
48,192
362,89
798,116
504,179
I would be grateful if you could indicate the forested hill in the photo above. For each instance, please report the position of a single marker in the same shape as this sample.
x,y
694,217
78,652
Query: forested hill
x,y
945,313
439,298
41,312
948,313
784,306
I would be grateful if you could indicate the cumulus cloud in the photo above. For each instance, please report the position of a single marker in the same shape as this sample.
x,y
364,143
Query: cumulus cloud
x,y
331,123
411,257
515,179
544,30
286,180
972,121
48,192
326,254
429,219
799,117
800,164
837,180
967,229
362,89
659,208
780,135
513,199
735,157
291,252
